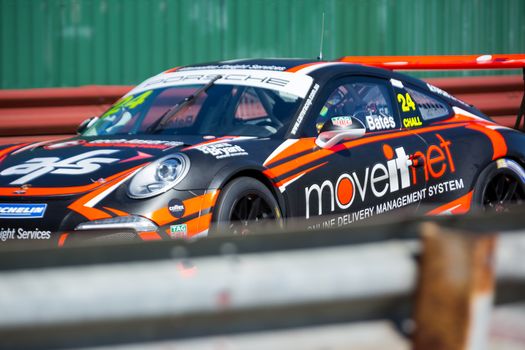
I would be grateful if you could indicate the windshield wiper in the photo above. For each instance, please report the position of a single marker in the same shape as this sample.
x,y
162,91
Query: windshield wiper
x,y
163,120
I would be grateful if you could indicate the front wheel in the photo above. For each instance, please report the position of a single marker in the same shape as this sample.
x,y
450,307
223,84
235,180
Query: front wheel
x,y
500,187
246,205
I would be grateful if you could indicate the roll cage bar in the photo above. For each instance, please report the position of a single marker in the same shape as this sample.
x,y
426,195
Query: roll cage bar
x,y
448,62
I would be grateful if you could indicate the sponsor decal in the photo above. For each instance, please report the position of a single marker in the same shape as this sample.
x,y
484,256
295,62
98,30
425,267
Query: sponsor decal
x,y
291,83
385,207
178,231
21,234
232,77
412,122
81,164
64,144
176,208
389,176
342,122
222,150
22,211
235,66
438,91
306,107
376,122
135,143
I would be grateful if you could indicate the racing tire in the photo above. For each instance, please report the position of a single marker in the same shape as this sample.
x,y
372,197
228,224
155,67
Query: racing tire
x,y
500,187
246,206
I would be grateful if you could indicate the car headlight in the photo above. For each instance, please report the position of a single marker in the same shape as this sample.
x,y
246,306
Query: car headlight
x,y
159,176
133,222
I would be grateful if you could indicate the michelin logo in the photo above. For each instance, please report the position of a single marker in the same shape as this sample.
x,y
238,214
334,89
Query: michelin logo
x,y
22,211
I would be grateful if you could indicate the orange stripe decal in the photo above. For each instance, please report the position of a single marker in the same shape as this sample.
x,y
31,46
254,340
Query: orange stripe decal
x,y
209,199
199,224
161,216
62,239
93,213
322,153
457,206
192,206
291,178
301,145
149,236
498,142
298,68
5,152
88,212
196,225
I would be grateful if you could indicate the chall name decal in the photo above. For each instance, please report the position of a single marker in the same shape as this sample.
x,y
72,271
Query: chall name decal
x,y
81,164
383,177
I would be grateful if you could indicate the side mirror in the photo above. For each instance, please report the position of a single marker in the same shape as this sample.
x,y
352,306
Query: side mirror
x,y
337,129
86,124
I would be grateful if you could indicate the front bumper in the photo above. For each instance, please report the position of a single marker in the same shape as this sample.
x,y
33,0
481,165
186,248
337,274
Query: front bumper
x,y
174,214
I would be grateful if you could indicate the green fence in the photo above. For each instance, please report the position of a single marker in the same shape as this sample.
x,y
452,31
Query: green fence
x,y
77,42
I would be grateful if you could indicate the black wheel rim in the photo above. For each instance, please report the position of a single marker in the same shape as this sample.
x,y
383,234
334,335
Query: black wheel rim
x,y
503,193
249,213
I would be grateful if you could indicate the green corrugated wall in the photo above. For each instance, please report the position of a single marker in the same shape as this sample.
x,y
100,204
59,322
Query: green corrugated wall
x,y
77,42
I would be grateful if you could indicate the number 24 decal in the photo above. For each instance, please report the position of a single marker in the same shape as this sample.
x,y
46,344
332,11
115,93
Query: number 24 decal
x,y
129,102
406,102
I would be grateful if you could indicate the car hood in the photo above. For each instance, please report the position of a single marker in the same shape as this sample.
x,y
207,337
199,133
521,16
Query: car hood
x,y
81,164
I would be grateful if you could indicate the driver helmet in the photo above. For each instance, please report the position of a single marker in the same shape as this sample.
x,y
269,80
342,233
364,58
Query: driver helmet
x,y
333,106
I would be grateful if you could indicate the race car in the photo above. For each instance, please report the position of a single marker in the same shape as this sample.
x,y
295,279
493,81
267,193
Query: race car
x,y
223,147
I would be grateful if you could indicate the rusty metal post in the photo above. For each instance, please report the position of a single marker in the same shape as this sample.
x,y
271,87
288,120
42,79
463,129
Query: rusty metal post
x,y
455,290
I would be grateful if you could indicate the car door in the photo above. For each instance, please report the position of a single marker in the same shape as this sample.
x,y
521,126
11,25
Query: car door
x,y
453,154
363,178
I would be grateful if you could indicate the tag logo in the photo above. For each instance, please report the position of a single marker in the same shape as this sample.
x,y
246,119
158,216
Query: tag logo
x,y
178,231
342,122
22,211
78,165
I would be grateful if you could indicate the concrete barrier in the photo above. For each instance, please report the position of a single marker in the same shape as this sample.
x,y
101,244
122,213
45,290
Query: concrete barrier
x,y
104,295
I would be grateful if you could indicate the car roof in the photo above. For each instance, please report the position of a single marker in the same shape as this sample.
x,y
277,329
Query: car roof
x,y
277,64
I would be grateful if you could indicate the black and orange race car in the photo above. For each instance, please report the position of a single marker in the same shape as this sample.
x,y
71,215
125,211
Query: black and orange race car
x,y
220,146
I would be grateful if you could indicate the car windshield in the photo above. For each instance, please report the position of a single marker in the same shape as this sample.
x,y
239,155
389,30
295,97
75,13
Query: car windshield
x,y
214,109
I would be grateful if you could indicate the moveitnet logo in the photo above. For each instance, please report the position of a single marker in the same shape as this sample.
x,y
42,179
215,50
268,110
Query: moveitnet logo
x,y
22,211
383,177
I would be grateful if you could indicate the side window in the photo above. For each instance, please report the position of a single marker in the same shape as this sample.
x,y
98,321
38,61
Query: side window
x,y
429,107
250,106
365,99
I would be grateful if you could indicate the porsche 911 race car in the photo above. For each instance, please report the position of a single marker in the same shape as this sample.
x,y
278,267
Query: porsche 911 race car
x,y
220,147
